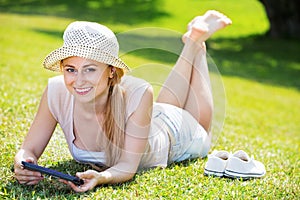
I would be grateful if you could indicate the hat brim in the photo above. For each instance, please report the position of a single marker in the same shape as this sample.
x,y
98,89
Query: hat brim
x,y
52,60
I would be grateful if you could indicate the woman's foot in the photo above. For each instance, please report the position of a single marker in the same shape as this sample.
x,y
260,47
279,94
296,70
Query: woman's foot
x,y
202,27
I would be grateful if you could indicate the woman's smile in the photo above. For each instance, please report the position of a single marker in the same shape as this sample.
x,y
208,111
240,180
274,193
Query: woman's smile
x,y
83,91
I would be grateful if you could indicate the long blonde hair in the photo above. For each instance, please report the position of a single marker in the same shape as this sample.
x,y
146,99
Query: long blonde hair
x,y
114,123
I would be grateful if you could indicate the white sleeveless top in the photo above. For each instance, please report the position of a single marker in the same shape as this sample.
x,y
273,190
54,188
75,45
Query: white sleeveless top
x,y
61,105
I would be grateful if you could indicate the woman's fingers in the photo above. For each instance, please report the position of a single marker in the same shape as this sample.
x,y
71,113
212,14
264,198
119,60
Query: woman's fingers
x,y
26,182
76,188
25,176
26,172
90,181
33,182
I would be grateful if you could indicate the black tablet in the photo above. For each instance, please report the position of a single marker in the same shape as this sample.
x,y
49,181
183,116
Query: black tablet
x,y
51,172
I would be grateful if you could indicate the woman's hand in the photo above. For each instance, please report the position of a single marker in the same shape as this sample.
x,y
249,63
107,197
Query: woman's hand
x,y
91,179
25,176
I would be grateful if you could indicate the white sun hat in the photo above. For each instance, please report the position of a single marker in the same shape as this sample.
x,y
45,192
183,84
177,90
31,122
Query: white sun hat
x,y
88,40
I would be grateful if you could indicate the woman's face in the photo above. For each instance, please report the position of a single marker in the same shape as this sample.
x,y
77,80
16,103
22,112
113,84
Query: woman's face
x,y
86,79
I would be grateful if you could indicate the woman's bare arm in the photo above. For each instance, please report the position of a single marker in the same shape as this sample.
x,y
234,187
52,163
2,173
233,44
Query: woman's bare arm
x,y
35,142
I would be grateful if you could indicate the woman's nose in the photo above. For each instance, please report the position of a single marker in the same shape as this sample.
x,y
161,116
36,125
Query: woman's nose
x,y
80,79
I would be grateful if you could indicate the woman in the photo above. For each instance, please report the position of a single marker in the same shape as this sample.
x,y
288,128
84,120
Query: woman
x,y
109,118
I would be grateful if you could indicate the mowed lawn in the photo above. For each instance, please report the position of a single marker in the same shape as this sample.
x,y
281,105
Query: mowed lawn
x,y
255,81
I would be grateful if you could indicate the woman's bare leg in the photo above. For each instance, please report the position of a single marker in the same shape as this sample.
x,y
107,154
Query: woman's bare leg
x,y
176,87
199,102
188,84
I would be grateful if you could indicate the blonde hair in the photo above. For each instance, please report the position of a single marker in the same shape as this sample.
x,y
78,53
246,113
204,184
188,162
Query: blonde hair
x,y
114,123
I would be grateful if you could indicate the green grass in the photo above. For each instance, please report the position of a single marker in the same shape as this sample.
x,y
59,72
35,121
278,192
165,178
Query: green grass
x,y
260,76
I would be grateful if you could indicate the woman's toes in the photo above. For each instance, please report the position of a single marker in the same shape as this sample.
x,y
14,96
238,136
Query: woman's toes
x,y
202,27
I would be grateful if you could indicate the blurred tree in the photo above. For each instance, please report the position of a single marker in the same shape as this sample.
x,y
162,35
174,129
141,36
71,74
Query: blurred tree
x,y
284,18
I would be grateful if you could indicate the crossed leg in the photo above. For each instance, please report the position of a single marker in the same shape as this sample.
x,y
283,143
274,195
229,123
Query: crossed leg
x,y
188,84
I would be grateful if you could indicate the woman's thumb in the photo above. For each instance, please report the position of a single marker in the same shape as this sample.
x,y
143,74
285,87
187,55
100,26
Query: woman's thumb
x,y
30,160
87,174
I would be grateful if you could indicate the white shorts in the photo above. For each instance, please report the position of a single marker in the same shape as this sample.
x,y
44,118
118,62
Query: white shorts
x,y
188,139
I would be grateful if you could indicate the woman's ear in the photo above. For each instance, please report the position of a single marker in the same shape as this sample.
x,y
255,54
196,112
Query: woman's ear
x,y
112,72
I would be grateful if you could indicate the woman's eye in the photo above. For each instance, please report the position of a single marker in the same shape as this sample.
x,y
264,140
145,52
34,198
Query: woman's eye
x,y
71,70
90,70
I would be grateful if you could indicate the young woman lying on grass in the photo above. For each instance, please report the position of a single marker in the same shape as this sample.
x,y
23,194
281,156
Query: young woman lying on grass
x,y
109,118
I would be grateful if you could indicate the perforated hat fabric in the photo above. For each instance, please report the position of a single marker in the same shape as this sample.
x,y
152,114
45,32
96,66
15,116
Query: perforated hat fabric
x,y
88,40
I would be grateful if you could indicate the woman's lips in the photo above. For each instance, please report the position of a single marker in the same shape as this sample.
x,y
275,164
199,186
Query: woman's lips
x,y
83,91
